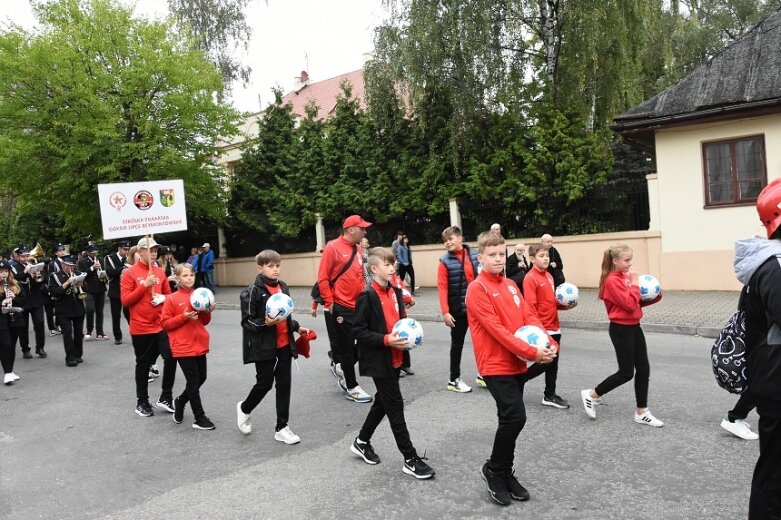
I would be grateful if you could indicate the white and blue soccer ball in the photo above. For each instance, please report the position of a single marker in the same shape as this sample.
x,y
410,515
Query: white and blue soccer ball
x,y
567,294
649,287
411,330
534,336
202,299
279,305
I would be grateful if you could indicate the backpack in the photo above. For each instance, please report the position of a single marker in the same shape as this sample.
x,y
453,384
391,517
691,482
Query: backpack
x,y
728,353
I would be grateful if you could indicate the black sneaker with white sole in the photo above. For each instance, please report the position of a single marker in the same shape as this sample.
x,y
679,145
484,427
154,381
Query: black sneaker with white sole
x,y
497,485
165,405
365,451
178,411
203,423
417,467
555,401
144,409
516,490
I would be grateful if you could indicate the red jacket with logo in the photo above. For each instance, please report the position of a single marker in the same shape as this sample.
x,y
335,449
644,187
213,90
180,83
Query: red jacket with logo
x,y
622,299
495,310
144,317
187,337
347,288
539,293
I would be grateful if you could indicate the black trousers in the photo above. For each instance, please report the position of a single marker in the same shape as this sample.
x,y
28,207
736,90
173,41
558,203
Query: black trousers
x,y
147,347
117,310
37,315
388,402
72,337
457,336
551,371
19,329
267,373
632,356
743,407
507,391
345,348
765,501
94,308
49,308
194,370
330,327
408,269
7,351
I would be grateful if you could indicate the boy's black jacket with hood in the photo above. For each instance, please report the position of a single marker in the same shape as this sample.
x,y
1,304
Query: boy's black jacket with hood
x,y
758,265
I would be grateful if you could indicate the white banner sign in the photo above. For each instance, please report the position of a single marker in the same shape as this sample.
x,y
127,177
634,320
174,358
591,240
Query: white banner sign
x,y
137,208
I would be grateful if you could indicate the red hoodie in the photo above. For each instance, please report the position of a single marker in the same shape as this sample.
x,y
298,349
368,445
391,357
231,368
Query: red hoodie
x,y
347,288
144,317
622,299
187,337
496,309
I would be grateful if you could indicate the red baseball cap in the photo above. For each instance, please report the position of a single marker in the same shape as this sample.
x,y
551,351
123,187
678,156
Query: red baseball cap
x,y
355,220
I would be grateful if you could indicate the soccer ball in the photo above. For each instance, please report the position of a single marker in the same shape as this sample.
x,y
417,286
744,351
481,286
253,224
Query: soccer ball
x,y
567,294
411,330
534,336
202,299
649,287
279,305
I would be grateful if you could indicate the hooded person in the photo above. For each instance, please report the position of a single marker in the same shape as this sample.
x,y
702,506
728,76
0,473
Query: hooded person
x,y
758,265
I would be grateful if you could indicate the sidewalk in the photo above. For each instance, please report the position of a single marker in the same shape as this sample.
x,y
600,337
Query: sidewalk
x,y
701,313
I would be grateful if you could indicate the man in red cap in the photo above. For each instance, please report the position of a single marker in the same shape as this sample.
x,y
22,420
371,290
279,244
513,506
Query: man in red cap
x,y
340,278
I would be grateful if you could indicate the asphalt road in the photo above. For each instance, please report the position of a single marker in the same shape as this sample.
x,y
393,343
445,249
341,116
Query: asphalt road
x,y
72,448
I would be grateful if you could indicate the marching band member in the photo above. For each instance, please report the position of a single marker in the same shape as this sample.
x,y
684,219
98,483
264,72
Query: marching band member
x,y
114,265
36,291
96,292
69,305
13,298
19,270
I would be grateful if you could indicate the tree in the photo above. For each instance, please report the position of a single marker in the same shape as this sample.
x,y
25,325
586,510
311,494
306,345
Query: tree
x,y
99,97
219,27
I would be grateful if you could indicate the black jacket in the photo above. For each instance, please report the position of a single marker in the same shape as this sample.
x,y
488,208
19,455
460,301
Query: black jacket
x,y
558,272
66,301
763,337
369,328
35,293
14,320
92,283
259,341
114,264
516,272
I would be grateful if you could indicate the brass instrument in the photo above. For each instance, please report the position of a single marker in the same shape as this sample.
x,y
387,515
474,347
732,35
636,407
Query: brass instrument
x,y
78,289
36,267
37,251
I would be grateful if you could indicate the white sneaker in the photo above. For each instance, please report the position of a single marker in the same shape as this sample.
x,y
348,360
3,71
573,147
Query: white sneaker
x,y
16,378
588,404
243,420
739,428
648,419
479,381
8,378
358,395
458,386
286,436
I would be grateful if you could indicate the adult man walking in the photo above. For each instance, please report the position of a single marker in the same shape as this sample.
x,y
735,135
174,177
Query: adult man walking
x,y
96,293
114,264
207,266
340,279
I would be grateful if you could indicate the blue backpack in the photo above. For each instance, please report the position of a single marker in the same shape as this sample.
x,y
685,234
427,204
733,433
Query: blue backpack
x,y
728,353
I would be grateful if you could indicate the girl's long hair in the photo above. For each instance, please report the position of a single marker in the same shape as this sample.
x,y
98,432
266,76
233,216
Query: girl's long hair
x,y
13,284
611,253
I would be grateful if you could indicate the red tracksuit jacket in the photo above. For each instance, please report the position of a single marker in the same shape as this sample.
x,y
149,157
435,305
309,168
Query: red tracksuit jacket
x,y
187,337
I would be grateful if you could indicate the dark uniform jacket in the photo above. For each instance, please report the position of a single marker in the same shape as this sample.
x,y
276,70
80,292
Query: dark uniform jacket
x,y
92,283
114,264
66,301
34,291
14,320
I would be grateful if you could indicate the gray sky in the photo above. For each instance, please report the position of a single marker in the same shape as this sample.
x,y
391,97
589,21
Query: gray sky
x,y
324,37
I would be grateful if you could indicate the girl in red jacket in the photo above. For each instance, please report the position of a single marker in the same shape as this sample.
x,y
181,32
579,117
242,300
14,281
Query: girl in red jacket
x,y
618,289
189,344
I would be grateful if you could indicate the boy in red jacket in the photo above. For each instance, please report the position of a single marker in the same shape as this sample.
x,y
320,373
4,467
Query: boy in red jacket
x,y
540,294
496,310
189,342
144,287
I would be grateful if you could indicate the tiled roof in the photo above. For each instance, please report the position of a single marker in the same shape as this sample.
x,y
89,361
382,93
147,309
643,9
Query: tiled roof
x,y
744,75
324,94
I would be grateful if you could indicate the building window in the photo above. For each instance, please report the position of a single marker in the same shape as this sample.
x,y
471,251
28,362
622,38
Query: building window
x,y
734,170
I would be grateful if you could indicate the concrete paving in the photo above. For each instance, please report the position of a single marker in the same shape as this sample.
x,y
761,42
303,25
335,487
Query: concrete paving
x,y
72,448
